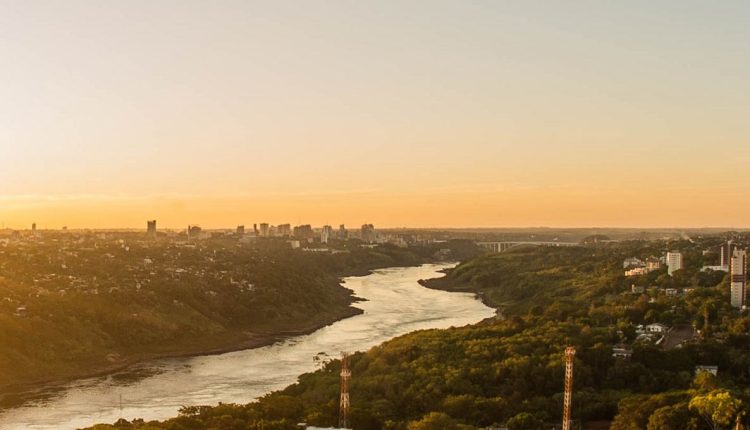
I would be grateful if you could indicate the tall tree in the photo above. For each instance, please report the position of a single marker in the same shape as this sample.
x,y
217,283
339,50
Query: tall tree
x,y
718,408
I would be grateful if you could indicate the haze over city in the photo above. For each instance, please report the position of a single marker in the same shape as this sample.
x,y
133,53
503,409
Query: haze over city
x,y
420,113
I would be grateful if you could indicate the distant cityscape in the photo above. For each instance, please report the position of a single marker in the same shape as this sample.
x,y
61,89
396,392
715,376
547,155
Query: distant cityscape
x,y
304,236
731,257
296,234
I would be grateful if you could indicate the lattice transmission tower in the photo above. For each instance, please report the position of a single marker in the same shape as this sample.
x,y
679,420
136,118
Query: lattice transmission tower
x,y
570,353
346,374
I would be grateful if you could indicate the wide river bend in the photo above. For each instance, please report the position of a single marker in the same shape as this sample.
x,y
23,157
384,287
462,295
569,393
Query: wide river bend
x,y
395,304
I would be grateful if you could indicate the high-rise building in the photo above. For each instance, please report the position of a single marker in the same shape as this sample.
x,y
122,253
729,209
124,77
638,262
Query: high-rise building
x,y
264,229
151,227
326,233
255,229
343,234
368,233
284,230
33,226
726,254
304,232
738,273
674,262
240,230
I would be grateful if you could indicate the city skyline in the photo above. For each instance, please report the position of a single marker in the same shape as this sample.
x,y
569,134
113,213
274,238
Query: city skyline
x,y
226,212
419,114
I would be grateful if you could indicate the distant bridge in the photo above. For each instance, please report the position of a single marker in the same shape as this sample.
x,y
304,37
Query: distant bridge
x,y
506,245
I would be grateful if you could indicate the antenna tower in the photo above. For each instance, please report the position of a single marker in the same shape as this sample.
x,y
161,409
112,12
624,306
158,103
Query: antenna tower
x,y
570,353
346,374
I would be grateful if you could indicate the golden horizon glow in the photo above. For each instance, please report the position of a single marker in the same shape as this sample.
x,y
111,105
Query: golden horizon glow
x,y
416,113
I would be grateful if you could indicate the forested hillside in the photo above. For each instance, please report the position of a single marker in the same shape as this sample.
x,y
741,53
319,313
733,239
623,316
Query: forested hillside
x,y
71,305
510,370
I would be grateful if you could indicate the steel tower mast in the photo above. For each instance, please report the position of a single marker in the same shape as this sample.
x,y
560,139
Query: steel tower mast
x,y
570,353
346,374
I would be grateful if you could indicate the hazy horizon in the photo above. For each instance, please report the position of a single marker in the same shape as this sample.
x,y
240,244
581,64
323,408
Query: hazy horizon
x,y
419,113
356,226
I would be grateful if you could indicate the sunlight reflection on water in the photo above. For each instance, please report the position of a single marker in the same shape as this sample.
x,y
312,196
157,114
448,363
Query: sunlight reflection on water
x,y
396,304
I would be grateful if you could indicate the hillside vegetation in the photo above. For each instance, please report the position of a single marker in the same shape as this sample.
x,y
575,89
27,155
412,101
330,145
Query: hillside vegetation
x,y
72,306
510,370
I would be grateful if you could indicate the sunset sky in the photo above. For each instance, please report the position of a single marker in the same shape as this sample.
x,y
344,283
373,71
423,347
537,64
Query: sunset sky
x,y
397,113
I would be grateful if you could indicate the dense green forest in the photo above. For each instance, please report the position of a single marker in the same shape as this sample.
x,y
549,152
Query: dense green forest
x,y
72,305
509,370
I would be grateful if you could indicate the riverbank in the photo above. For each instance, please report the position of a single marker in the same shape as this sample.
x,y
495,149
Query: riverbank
x,y
510,372
16,395
193,301
394,305
445,283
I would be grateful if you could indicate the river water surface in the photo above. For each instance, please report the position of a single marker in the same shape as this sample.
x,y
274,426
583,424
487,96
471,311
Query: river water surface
x,y
396,304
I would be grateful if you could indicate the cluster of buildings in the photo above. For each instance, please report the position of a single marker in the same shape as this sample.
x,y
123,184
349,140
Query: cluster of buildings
x,y
669,292
636,267
282,230
725,255
306,232
733,260
305,236
298,235
93,264
301,233
654,333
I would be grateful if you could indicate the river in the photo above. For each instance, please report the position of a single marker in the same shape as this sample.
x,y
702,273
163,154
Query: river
x,y
395,304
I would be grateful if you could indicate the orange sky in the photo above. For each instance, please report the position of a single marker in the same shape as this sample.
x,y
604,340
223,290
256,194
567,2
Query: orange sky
x,y
416,113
